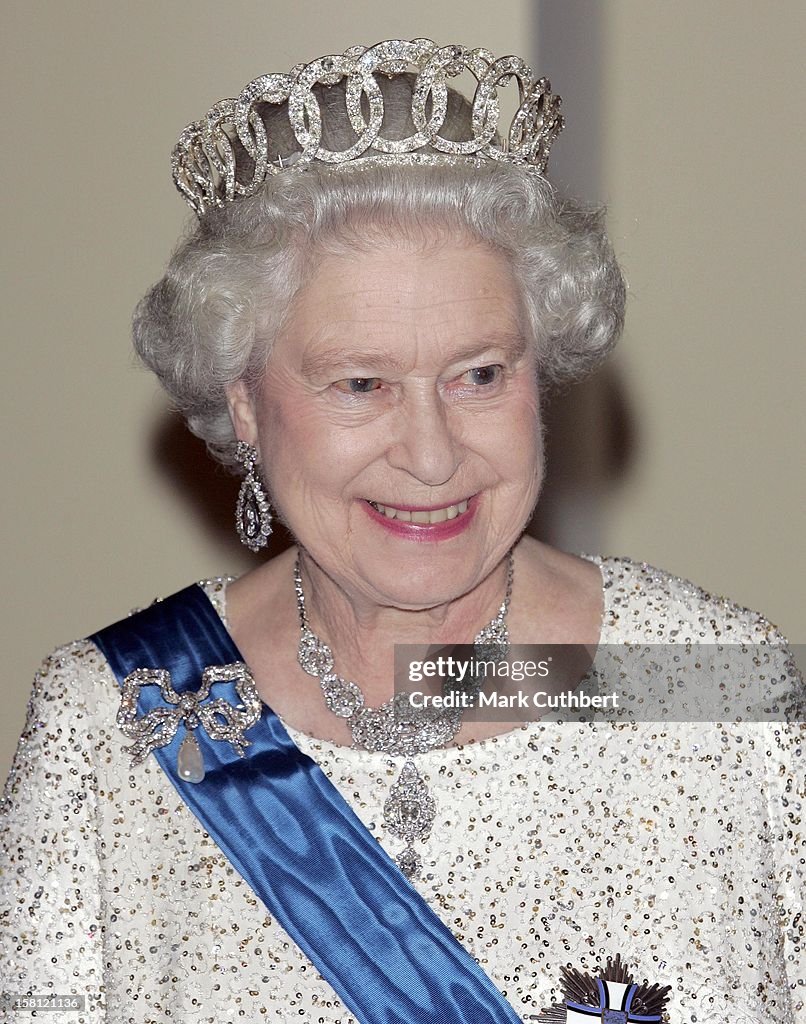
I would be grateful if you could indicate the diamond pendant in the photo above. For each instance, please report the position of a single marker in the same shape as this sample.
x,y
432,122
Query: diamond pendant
x,y
189,761
409,814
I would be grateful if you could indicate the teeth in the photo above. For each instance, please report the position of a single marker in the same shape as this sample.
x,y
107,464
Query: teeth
x,y
438,515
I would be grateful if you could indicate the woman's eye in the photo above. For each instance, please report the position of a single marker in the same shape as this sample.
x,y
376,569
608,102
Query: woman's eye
x,y
358,385
482,375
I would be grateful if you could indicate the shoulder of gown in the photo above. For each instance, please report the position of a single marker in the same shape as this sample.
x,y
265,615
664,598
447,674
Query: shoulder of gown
x,y
652,605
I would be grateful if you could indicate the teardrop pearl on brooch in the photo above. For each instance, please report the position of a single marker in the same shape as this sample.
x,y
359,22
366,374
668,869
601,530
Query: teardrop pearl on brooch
x,y
189,761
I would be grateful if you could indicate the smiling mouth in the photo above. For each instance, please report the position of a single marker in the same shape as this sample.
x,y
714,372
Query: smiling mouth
x,y
423,517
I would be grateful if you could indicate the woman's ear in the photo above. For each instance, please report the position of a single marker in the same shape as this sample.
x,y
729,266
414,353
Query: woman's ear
x,y
242,412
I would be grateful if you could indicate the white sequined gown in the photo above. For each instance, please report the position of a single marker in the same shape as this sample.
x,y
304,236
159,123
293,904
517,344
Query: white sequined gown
x,y
683,848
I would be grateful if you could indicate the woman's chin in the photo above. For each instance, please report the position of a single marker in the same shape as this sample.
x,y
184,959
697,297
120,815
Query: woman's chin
x,y
428,581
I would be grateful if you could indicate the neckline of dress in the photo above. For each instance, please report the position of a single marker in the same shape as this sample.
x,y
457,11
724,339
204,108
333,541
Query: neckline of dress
x,y
307,742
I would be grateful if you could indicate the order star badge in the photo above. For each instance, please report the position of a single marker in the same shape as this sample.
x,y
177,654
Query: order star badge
x,y
610,995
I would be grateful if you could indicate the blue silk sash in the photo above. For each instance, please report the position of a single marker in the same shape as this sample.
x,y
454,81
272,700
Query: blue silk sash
x,y
294,839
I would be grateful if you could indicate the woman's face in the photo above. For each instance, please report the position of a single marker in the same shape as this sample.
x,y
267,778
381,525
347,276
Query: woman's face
x,y
398,423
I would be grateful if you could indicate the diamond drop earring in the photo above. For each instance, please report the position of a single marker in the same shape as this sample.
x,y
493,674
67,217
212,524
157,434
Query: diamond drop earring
x,y
252,512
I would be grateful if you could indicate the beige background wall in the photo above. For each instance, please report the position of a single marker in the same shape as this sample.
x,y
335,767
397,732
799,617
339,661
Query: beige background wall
x,y
703,158
700,162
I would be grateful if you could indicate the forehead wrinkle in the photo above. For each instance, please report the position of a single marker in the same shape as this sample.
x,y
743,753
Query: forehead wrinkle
x,y
388,303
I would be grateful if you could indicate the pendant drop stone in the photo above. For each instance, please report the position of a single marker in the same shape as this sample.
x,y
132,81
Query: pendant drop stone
x,y
410,862
189,762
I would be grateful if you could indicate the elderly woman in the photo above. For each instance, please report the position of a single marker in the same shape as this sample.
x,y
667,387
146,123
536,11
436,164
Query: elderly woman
x,y
377,295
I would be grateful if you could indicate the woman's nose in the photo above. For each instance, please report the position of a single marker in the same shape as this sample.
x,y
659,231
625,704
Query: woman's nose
x,y
425,444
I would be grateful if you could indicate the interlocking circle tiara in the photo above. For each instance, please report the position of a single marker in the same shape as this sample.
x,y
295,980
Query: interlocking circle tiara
x,y
227,154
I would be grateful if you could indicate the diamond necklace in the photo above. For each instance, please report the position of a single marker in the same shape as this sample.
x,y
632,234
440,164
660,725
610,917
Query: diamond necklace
x,y
396,727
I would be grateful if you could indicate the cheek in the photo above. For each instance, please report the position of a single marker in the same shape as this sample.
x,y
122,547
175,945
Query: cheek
x,y
529,418
523,462
306,455
531,424
286,418
512,433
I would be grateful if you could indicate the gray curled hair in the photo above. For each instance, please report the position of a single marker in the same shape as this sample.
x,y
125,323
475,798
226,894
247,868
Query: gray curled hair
x,y
229,286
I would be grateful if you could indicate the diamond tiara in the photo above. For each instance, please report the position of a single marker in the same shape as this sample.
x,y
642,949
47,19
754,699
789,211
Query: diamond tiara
x,y
214,155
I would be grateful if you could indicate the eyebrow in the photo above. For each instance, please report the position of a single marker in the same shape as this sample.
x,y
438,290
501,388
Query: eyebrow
x,y
340,357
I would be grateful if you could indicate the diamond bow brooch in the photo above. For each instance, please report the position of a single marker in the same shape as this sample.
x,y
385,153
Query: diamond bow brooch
x,y
219,719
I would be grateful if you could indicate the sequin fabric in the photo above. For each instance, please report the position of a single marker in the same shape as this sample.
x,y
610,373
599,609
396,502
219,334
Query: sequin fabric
x,y
681,847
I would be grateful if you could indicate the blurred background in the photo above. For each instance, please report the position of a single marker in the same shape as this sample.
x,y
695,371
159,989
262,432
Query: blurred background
x,y
687,451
